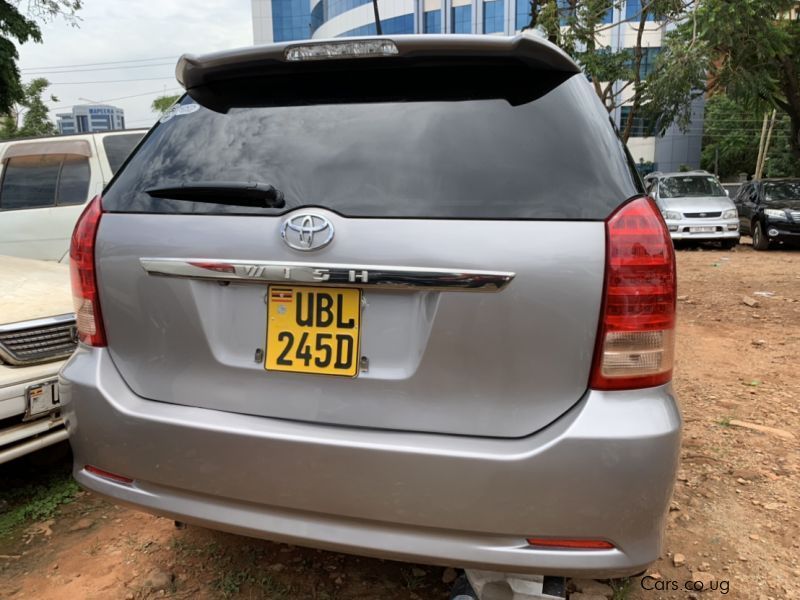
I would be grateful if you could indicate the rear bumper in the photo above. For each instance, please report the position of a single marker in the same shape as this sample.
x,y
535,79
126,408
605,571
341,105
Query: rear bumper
x,y
604,470
727,229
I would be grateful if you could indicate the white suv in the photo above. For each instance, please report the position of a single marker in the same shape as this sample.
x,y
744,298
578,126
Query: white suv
x,y
45,182
695,206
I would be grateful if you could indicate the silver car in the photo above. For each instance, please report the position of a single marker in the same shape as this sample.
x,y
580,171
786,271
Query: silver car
x,y
696,207
401,297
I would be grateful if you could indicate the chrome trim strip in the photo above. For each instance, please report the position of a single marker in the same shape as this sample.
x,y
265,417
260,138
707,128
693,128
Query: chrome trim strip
x,y
368,276
34,323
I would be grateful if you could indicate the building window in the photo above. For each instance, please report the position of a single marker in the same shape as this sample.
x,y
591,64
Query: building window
x,y
566,8
648,63
291,20
633,9
395,25
317,16
461,17
432,21
649,56
608,17
523,17
337,7
493,16
641,126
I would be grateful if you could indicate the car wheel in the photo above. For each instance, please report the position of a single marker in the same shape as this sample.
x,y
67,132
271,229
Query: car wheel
x,y
760,241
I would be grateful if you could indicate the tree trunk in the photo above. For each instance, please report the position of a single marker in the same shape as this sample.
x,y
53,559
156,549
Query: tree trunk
x,y
794,140
791,89
637,76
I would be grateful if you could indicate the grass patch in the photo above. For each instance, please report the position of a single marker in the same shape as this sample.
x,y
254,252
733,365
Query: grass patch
x,y
37,500
724,422
232,584
621,587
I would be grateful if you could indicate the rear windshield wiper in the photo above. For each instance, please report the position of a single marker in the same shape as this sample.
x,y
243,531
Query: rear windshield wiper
x,y
230,193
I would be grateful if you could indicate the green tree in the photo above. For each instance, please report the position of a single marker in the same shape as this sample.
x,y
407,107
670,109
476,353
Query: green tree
x,y
21,26
618,76
30,117
731,137
750,50
163,103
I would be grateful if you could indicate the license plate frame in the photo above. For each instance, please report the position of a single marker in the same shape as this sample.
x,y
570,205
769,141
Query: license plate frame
x,y
41,399
322,344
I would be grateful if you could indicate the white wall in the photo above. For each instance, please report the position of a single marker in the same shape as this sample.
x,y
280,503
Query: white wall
x,y
262,21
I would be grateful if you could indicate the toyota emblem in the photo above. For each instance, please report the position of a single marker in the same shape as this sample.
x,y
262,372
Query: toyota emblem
x,y
307,231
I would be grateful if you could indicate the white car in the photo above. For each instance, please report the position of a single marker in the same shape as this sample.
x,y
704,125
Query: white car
x,y
45,182
37,333
695,207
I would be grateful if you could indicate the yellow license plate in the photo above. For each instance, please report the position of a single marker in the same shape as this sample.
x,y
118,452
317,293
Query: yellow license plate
x,y
313,330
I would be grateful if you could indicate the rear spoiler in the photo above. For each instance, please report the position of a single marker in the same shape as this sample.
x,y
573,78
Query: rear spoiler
x,y
377,69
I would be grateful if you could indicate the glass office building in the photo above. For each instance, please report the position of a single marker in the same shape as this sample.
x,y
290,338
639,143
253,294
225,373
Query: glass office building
x,y
286,20
86,118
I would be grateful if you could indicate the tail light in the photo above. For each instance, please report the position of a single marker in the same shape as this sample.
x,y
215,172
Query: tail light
x,y
635,344
84,278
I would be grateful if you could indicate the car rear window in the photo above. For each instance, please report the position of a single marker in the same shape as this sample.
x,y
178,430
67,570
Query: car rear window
x,y
466,156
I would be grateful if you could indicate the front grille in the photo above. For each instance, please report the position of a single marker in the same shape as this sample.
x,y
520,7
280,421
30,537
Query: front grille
x,y
703,215
42,340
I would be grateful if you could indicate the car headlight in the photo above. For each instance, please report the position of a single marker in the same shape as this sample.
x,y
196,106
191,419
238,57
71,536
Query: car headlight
x,y
671,215
774,213
729,214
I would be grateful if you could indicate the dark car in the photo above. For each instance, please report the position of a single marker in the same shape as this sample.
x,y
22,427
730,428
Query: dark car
x,y
769,211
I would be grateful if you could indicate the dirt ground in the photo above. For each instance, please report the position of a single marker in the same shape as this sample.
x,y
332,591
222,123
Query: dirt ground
x,y
735,516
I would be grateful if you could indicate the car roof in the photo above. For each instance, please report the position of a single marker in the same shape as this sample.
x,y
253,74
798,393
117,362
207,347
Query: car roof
x,y
62,136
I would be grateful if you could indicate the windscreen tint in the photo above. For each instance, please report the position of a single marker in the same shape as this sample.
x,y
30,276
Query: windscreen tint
x,y
782,193
554,157
688,187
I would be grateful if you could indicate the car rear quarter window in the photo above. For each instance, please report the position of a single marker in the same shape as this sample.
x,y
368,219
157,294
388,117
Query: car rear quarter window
x,y
43,180
119,147
553,157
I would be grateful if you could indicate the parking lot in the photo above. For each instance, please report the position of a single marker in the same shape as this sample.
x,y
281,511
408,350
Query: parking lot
x,y
733,520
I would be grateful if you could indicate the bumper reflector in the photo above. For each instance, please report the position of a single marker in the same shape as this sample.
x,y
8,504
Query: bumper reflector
x,y
570,544
108,475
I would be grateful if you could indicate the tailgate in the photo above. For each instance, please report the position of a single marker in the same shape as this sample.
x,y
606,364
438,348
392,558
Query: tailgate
x,y
410,243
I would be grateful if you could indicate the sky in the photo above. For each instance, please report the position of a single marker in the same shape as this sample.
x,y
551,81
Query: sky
x,y
149,35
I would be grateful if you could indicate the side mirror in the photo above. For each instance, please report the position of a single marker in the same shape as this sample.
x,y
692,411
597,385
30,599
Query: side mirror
x,y
727,193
